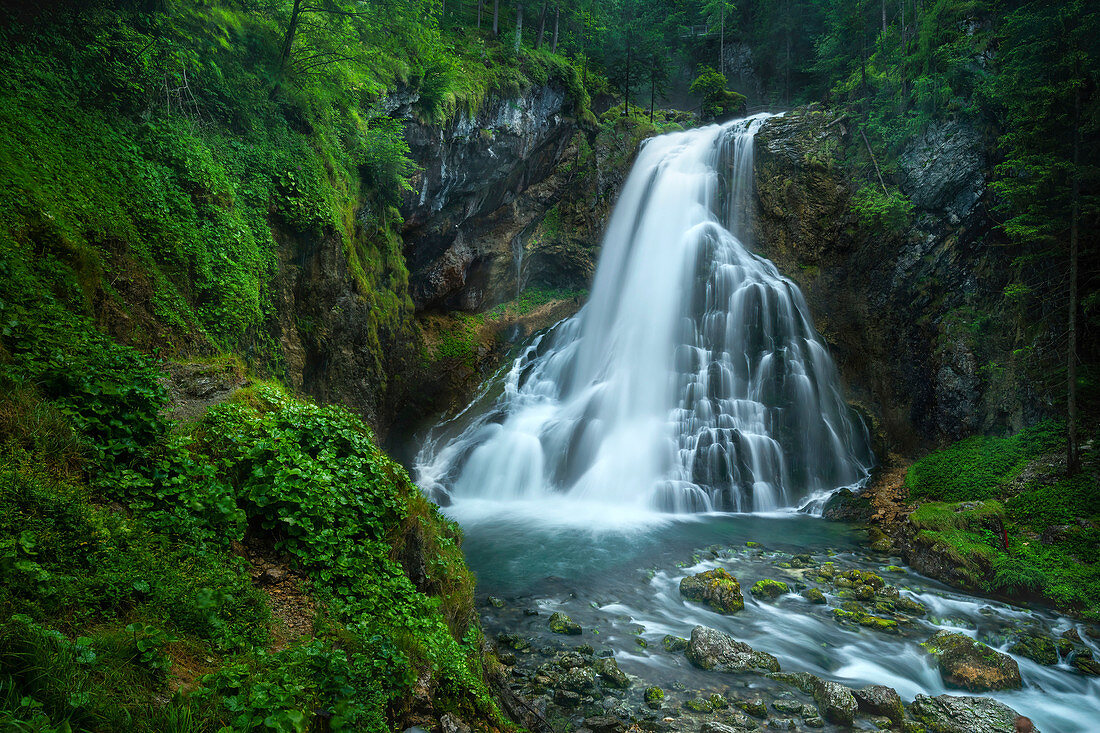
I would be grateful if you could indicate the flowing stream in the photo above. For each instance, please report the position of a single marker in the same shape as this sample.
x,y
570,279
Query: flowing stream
x,y
691,404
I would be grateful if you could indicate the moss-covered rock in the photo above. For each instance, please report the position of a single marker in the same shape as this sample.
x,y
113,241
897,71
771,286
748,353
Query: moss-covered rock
x,y
654,697
951,714
561,624
716,588
1039,649
674,643
1084,663
971,665
813,595
608,670
769,589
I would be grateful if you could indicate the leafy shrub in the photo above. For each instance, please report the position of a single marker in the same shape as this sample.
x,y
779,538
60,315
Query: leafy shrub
x,y
890,212
718,101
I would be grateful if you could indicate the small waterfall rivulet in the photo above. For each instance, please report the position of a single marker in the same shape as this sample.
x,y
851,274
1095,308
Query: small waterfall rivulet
x,y
693,379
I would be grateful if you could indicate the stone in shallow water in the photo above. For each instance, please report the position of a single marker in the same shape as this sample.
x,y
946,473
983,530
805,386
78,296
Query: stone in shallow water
x,y
954,714
711,649
562,624
813,595
769,589
880,700
972,665
837,703
674,643
716,588
1039,649
654,697
608,670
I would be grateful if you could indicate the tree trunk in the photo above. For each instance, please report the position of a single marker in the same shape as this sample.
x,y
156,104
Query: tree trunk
x,y
542,25
442,13
1072,457
884,18
652,91
496,17
557,18
519,24
291,30
479,4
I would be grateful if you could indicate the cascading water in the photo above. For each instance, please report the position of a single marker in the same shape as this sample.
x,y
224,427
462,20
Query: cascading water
x,y
693,379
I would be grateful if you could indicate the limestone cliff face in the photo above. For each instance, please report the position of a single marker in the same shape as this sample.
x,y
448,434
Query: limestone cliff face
x,y
462,222
915,317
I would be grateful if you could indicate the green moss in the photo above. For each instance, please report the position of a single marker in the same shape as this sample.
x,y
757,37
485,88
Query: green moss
x,y
978,467
769,589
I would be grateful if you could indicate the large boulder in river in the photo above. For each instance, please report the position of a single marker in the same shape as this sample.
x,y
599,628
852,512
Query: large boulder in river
x,y
847,506
716,588
952,714
837,703
880,700
971,665
711,649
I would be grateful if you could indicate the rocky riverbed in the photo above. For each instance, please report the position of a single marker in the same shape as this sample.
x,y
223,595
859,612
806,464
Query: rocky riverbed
x,y
755,634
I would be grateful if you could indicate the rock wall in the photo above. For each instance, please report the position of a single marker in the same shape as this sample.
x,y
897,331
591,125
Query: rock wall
x,y
915,316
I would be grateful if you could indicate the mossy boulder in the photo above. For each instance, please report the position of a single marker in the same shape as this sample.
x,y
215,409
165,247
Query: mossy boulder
x,y
769,589
952,714
1083,662
698,705
813,595
971,665
608,670
711,649
1039,649
561,624
654,697
755,708
716,588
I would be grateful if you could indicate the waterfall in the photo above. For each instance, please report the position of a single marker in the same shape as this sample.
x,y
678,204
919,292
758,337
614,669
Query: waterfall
x,y
693,379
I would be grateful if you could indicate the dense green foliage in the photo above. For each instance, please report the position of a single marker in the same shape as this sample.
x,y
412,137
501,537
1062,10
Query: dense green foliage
x,y
1010,521
118,564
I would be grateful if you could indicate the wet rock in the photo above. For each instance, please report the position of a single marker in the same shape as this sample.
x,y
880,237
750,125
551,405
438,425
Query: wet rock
x,y
567,698
654,697
880,700
604,724
755,708
1039,649
788,707
847,506
495,602
865,592
716,588
450,724
953,714
562,624
813,595
909,606
674,643
579,679
507,658
802,680
570,660
273,575
698,705
782,724
712,726
1083,662
837,703
608,670
514,642
815,722
882,722
941,169
769,589
711,649
971,665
